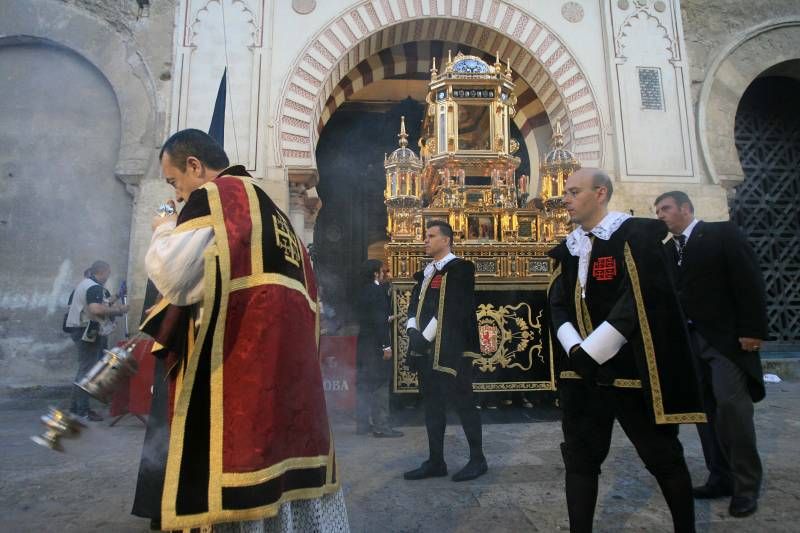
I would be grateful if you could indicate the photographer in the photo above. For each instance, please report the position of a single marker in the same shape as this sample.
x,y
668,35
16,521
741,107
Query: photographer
x,y
90,320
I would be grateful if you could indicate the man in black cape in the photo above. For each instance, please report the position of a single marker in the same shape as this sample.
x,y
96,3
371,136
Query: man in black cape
x,y
623,348
442,332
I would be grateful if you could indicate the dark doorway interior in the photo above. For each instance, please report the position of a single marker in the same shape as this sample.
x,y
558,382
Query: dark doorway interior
x,y
353,216
765,205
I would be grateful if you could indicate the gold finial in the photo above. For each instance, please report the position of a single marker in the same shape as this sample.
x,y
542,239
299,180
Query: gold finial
x,y
449,57
508,65
558,137
403,135
497,57
433,68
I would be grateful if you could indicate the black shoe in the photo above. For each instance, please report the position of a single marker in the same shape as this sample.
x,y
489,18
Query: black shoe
x,y
710,492
742,506
387,434
427,469
474,468
94,417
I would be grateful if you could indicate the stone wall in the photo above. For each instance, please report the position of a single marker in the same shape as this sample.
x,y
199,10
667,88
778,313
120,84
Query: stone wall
x,y
83,96
730,43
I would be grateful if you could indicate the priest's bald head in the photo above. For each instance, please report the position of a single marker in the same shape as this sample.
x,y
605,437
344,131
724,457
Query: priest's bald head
x,y
586,196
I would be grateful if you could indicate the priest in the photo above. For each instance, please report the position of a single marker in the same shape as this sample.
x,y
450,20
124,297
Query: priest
x,y
624,351
238,329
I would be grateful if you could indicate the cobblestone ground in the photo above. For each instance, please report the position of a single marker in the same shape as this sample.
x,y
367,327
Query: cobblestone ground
x,y
90,486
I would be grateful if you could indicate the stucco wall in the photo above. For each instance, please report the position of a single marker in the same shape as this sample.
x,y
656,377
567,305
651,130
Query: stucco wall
x,y
83,95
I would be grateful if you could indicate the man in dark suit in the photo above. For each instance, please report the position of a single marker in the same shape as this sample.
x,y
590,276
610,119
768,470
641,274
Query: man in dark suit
x,y
721,290
442,330
373,363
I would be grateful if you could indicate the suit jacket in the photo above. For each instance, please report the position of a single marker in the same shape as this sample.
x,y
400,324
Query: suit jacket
x,y
373,334
721,290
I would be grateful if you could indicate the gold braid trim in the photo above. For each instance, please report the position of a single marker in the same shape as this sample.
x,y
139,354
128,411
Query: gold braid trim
x,y
439,323
618,383
193,224
650,354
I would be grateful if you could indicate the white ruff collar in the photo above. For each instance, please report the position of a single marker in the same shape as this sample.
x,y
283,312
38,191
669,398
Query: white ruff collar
x,y
434,266
580,245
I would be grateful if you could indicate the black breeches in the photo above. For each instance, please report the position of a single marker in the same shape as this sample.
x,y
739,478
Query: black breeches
x,y
588,420
440,390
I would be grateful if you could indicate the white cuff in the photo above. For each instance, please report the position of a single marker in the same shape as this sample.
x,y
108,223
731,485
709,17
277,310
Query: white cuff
x,y
568,336
411,323
604,343
430,330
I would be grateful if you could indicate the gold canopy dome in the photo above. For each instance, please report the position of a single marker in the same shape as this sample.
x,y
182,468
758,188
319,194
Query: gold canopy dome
x,y
403,156
556,166
558,156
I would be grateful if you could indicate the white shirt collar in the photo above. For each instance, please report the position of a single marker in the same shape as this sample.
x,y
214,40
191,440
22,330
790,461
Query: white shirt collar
x,y
376,282
434,266
580,245
688,231
604,230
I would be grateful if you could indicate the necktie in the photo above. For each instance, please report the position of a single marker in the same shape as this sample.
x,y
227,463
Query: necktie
x,y
680,244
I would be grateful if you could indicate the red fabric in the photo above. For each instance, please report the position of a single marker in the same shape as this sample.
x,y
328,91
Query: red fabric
x,y
604,268
273,399
236,211
436,282
134,394
274,406
338,361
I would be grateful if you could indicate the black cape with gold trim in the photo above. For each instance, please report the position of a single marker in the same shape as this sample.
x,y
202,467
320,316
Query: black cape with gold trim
x,y
453,305
659,348
248,425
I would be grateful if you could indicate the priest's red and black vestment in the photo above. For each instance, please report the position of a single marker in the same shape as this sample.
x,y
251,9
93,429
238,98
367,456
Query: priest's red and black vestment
x,y
248,427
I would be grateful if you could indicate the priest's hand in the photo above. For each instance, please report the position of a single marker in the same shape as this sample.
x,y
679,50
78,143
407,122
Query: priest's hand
x,y
416,341
582,363
750,344
158,220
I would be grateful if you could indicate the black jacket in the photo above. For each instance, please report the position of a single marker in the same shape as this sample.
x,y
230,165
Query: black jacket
x,y
373,333
453,305
721,290
628,285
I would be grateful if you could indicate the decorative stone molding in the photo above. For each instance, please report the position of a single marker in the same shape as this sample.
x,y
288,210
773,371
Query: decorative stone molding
x,y
572,12
304,7
733,69
542,60
133,86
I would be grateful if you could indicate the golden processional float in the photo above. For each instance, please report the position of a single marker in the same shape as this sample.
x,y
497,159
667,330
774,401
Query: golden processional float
x,y
466,175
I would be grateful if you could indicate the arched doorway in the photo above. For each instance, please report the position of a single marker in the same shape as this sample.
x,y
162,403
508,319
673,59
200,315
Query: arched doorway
x,y
61,206
767,134
537,54
351,226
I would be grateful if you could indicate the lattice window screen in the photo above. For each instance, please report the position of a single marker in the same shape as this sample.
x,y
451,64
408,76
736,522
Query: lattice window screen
x,y
767,204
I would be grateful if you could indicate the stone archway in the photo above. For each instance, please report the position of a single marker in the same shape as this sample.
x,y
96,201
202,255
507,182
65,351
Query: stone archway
x,y
733,70
132,83
415,58
542,60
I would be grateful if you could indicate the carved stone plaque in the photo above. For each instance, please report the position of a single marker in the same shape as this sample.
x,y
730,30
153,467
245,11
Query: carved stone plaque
x,y
650,88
